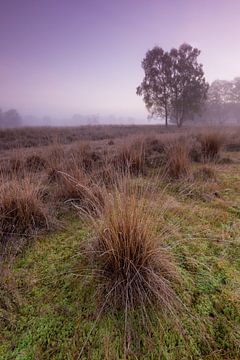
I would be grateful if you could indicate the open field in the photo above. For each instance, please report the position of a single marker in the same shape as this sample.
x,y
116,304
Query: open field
x,y
120,243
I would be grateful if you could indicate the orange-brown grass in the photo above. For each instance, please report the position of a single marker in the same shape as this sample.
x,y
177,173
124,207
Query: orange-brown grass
x,y
130,156
35,162
130,263
177,159
211,144
72,184
82,154
22,209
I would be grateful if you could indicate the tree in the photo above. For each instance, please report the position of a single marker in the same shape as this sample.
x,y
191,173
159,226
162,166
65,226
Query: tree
x,y
10,119
223,101
174,85
155,87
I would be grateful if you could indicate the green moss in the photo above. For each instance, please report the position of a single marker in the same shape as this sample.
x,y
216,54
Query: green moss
x,y
60,315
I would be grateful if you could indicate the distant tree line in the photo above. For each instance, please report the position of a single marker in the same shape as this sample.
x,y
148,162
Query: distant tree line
x,y
10,119
223,102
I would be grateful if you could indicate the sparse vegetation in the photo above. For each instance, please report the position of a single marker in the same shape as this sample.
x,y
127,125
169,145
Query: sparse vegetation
x,y
160,252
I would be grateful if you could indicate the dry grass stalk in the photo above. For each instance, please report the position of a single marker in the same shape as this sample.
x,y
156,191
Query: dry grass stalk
x,y
177,159
211,144
22,209
131,265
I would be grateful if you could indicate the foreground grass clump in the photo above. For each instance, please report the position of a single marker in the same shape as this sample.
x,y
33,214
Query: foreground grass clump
x,y
22,209
130,263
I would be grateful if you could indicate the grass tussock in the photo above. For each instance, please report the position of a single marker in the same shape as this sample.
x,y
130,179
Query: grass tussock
x,y
22,208
211,144
35,162
130,157
177,159
131,265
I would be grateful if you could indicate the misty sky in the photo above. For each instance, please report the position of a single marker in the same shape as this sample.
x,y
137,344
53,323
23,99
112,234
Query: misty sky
x,y
61,57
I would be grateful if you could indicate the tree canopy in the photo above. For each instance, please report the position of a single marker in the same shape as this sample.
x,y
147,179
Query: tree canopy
x,y
10,119
174,86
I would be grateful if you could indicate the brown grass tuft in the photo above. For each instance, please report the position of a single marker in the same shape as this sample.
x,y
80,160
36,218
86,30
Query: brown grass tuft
x,y
35,162
22,209
131,265
211,144
130,157
177,159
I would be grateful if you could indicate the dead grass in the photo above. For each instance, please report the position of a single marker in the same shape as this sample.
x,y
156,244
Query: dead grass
x,y
22,209
130,156
131,265
177,159
211,144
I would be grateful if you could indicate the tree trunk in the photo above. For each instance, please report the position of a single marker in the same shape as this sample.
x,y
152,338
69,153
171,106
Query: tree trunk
x,y
166,118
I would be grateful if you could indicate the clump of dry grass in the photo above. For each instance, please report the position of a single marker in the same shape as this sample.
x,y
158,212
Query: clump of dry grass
x,y
74,185
22,209
82,154
130,264
211,144
35,162
130,157
177,159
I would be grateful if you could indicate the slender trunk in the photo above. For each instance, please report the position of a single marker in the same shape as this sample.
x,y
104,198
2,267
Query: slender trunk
x,y
166,117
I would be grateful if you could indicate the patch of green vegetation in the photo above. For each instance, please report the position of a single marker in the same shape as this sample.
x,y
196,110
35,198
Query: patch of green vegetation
x,y
60,317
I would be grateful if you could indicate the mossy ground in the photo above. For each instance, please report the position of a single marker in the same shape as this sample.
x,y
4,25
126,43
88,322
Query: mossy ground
x,y
59,311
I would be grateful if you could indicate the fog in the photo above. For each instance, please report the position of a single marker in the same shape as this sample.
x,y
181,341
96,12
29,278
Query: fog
x,y
78,63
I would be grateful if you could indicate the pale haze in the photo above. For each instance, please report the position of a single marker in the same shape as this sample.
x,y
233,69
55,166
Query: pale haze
x,y
60,57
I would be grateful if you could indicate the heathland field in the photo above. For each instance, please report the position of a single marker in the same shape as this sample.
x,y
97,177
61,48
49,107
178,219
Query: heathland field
x,y
120,243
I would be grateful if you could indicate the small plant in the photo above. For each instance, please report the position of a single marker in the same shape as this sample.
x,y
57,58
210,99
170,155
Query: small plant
x,y
22,209
35,162
130,157
130,263
211,144
177,159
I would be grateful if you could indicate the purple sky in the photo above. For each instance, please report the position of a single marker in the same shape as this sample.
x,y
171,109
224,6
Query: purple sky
x,y
61,57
